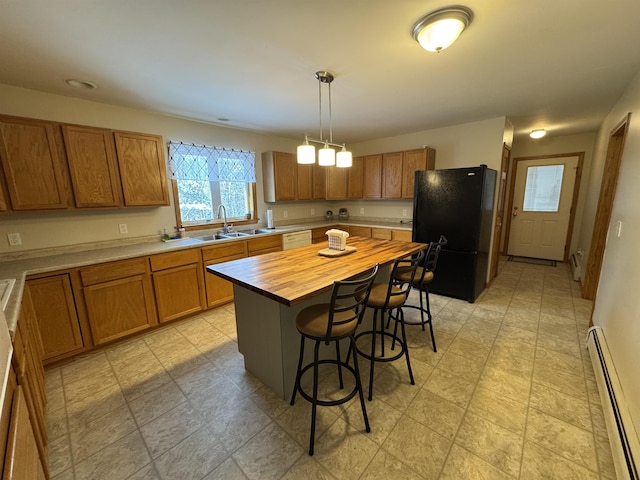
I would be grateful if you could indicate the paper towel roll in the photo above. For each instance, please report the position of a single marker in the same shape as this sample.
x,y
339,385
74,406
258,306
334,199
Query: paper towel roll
x,y
270,219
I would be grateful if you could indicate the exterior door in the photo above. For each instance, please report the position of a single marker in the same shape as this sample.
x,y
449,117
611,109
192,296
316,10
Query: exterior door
x,y
541,210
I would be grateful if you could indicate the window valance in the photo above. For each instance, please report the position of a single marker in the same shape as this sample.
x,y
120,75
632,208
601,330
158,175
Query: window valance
x,y
215,164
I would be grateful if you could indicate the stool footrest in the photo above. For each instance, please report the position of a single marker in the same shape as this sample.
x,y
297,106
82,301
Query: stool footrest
x,y
330,403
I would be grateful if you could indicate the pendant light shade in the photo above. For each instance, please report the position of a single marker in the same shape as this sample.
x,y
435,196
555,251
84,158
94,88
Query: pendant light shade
x,y
306,153
344,158
439,29
326,155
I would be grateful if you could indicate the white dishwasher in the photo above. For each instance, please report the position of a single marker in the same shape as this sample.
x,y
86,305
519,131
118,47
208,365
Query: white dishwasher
x,y
296,239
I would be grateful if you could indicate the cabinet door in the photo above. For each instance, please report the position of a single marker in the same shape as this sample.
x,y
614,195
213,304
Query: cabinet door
x,y
372,181
143,172
92,166
319,182
3,199
413,160
32,164
56,315
219,290
179,291
279,176
336,183
22,460
355,178
381,233
119,307
392,175
304,176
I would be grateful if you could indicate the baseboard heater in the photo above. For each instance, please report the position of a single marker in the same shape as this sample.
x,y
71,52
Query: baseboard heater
x,y
625,445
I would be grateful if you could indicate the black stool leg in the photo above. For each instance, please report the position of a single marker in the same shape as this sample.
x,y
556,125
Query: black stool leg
x,y
359,384
314,404
406,347
373,351
296,386
339,364
422,292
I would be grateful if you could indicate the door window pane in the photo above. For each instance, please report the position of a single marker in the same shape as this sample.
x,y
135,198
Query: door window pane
x,y
542,190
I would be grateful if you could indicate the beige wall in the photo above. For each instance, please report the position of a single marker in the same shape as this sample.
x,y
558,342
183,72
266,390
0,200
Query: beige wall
x,y
617,304
551,145
458,146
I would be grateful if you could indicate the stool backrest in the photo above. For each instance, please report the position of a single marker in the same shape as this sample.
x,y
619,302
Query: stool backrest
x,y
402,275
350,296
431,257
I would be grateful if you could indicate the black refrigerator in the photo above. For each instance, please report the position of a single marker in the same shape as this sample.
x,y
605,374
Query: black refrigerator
x,y
456,203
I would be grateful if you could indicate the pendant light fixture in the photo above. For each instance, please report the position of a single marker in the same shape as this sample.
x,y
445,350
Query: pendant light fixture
x,y
439,29
538,133
326,155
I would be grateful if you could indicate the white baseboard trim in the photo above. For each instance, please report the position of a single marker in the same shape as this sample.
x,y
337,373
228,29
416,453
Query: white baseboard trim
x,y
625,445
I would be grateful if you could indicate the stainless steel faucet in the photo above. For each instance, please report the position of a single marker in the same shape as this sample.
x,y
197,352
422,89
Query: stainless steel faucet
x,y
225,227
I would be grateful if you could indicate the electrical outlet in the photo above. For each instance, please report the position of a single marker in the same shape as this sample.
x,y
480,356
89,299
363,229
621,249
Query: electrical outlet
x,y
313,212
404,212
14,239
285,214
362,211
123,228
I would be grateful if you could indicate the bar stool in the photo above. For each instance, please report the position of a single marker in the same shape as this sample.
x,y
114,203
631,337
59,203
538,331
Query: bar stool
x,y
423,277
389,298
325,323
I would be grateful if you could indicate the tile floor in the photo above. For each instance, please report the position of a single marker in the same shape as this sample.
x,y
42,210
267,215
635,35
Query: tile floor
x,y
509,394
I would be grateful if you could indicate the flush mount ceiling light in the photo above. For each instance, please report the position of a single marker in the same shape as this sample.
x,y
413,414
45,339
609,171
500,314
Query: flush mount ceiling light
x,y
326,155
73,82
439,29
538,133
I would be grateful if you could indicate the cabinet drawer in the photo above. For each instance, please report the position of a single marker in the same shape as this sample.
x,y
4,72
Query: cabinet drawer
x,y
224,250
360,231
381,233
402,235
264,243
112,271
174,259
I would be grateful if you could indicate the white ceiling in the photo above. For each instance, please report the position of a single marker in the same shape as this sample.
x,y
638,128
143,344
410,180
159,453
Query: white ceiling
x,y
555,64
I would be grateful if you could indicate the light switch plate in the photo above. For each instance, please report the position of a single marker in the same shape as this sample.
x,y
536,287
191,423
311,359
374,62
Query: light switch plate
x,y
14,239
123,228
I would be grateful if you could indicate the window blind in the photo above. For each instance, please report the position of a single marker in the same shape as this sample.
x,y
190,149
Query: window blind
x,y
215,164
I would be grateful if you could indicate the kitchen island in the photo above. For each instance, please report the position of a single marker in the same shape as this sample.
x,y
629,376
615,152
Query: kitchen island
x,y
271,289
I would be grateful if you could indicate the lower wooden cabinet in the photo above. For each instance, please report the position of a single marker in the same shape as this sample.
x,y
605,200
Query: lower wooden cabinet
x,y
261,245
402,235
22,458
219,290
56,315
178,284
119,299
27,364
356,231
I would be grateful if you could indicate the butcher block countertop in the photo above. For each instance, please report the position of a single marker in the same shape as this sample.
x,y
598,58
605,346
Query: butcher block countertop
x,y
291,276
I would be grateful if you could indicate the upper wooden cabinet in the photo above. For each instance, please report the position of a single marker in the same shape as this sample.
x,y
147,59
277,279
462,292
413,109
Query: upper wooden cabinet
x,y
48,165
92,166
336,183
33,165
392,175
355,178
305,184
413,160
142,169
279,176
319,182
372,176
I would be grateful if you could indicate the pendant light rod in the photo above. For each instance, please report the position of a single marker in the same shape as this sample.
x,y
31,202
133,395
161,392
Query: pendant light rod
x,y
315,140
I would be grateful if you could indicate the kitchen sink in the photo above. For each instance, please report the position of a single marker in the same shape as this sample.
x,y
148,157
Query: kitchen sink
x,y
234,234
209,238
257,231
